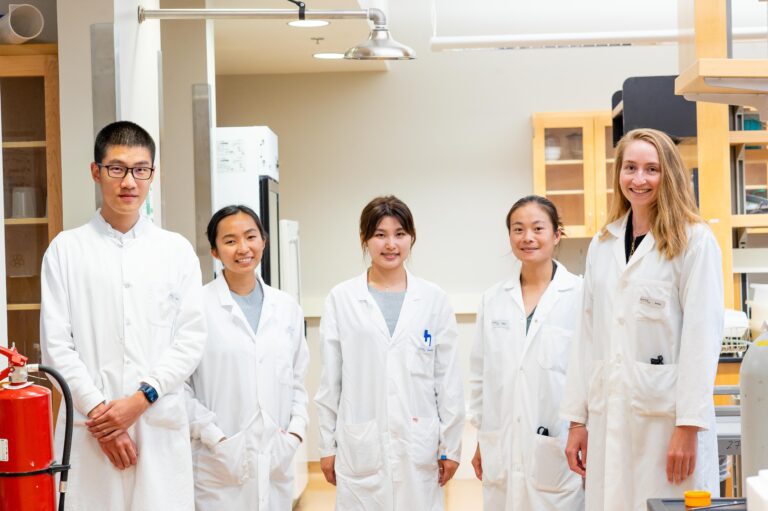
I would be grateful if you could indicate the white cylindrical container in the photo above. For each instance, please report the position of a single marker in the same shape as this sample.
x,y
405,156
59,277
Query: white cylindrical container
x,y
757,492
753,380
758,315
22,23
760,293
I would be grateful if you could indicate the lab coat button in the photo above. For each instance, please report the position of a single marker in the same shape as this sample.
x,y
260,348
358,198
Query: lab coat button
x,y
127,321
126,285
518,419
620,320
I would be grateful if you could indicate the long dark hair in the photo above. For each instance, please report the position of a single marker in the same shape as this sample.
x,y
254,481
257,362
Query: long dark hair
x,y
213,224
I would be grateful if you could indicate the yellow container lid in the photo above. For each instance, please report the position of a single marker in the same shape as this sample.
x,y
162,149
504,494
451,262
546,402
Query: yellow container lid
x,y
694,498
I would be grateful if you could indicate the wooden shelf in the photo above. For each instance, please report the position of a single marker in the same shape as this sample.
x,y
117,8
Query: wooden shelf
x,y
754,187
24,145
749,221
748,137
9,50
735,74
565,192
564,162
23,307
26,221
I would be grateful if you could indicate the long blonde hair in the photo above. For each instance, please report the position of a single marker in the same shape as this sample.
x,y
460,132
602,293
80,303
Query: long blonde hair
x,y
675,207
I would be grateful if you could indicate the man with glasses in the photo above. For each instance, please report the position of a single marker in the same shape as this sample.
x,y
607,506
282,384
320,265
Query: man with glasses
x,y
122,320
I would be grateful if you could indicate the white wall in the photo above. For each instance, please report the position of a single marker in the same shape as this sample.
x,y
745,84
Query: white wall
x,y
74,22
449,133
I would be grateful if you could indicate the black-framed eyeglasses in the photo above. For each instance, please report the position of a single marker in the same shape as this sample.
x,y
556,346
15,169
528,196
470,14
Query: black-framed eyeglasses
x,y
119,171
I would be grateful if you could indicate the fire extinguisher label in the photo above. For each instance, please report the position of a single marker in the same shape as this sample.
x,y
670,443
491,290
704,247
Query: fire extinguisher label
x,y
3,449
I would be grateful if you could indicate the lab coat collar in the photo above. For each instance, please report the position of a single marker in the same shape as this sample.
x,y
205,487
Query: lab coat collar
x,y
563,281
617,230
225,299
413,293
141,226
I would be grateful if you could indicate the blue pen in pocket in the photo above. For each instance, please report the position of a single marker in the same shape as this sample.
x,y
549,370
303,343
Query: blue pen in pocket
x,y
427,338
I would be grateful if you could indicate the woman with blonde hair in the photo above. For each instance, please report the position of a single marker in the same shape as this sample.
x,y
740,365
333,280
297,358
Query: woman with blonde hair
x,y
641,377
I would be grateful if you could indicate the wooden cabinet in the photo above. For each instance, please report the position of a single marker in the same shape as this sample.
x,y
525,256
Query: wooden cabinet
x,y
31,171
573,167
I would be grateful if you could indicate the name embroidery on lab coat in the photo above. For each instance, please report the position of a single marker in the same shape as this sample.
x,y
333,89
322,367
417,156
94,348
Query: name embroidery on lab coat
x,y
652,302
500,323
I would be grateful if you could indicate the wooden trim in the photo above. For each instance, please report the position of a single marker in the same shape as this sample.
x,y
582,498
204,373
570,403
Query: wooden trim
x,y
53,148
692,79
563,162
8,50
25,221
749,220
23,307
24,145
26,65
748,137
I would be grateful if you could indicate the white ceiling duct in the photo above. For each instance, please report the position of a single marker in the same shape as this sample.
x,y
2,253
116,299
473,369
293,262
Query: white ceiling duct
x,y
514,24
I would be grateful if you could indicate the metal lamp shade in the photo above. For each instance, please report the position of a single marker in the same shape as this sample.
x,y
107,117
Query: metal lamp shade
x,y
380,46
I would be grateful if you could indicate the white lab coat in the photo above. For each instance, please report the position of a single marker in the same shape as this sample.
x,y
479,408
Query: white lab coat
x,y
389,405
119,309
634,312
516,384
249,387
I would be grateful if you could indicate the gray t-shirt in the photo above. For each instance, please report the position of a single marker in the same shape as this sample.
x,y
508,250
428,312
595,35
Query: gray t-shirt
x,y
251,305
390,305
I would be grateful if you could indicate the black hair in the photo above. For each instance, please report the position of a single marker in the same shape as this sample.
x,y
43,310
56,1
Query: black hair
x,y
213,224
381,207
543,203
123,133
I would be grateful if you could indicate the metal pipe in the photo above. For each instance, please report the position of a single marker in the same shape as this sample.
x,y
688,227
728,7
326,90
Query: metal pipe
x,y
374,15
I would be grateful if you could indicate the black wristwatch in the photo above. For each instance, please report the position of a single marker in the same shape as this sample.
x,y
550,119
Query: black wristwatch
x,y
149,392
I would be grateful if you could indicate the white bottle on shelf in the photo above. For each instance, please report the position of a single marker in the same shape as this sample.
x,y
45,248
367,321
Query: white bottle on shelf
x,y
753,380
757,492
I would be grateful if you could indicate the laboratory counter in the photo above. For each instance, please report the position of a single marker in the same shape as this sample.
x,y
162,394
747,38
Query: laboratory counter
x,y
679,505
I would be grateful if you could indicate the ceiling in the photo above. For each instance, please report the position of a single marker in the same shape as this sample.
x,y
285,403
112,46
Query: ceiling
x,y
273,47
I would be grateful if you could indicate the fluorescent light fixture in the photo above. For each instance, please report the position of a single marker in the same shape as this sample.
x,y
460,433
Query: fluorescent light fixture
x,y
308,23
328,56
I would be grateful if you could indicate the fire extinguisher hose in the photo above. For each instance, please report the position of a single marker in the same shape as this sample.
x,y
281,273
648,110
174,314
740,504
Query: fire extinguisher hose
x,y
63,467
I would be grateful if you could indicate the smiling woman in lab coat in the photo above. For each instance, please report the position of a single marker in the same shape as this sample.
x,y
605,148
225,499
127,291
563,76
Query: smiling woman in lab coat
x,y
390,402
246,400
525,327
640,383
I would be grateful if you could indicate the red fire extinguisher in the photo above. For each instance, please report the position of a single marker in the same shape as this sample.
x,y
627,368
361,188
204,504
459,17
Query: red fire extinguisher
x,y
27,466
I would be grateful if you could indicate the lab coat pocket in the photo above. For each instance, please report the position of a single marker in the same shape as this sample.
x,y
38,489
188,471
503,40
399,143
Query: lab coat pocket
x,y
652,300
359,449
224,464
549,467
554,347
653,389
425,441
167,412
421,362
284,447
493,457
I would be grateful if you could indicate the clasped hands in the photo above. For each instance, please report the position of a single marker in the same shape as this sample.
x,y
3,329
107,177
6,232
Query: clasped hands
x,y
109,423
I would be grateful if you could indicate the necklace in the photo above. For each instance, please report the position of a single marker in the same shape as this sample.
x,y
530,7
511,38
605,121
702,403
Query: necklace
x,y
636,240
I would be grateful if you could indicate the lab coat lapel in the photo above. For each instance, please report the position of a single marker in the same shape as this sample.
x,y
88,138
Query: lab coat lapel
x,y
616,229
413,297
645,247
268,307
228,303
561,283
371,307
